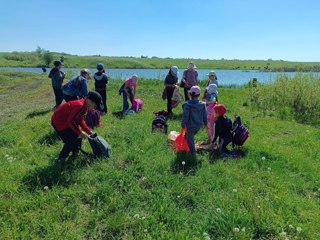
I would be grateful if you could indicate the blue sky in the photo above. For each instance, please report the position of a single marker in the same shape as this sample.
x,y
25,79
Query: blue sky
x,y
214,29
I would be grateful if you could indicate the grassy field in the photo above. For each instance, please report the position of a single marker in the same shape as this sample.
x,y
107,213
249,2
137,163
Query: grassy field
x,y
143,191
31,59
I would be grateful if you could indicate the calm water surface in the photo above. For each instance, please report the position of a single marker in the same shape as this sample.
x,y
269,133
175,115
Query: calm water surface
x,y
225,77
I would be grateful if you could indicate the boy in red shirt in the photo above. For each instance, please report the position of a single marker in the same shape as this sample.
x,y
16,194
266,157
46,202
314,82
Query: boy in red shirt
x,y
68,121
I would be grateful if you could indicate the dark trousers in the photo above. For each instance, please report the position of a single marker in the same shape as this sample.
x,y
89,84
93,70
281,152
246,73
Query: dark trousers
x,y
58,95
186,93
103,93
72,142
169,92
224,142
125,99
69,98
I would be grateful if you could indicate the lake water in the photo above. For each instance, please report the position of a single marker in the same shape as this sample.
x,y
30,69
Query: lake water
x,y
225,77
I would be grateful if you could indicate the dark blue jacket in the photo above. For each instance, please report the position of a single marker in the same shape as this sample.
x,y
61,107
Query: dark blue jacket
x,y
57,77
100,81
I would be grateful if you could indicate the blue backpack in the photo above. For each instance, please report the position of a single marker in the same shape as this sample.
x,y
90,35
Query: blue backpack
x,y
240,132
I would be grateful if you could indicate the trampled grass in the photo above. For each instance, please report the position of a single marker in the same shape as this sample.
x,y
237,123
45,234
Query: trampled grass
x,y
271,193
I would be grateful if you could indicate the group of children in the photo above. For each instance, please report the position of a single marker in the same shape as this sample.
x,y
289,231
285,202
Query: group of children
x,y
69,119
198,113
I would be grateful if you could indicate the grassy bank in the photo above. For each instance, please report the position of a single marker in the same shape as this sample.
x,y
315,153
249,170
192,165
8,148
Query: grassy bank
x,y
271,193
32,59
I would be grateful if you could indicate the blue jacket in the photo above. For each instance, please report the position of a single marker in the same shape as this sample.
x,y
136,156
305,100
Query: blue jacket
x,y
57,77
194,114
77,86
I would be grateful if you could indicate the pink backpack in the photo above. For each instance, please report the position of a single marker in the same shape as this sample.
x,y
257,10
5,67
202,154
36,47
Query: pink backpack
x,y
137,104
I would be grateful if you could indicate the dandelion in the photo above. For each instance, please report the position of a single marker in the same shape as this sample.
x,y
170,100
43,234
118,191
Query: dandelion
x,y
218,210
236,230
290,226
283,233
299,229
234,190
46,188
136,216
178,196
263,158
183,163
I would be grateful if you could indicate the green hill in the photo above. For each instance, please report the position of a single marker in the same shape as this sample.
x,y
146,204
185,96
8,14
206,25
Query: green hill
x,y
273,192
33,59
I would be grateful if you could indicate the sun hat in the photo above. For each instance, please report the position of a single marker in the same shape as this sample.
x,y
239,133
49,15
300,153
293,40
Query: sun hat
x,y
195,90
175,70
212,88
191,65
85,71
97,99
220,109
57,63
212,73
100,66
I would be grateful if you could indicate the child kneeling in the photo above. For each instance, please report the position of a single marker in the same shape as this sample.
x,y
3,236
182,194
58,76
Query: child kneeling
x,y
194,116
223,129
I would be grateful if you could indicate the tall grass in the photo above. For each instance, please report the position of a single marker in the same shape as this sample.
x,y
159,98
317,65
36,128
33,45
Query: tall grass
x,y
296,98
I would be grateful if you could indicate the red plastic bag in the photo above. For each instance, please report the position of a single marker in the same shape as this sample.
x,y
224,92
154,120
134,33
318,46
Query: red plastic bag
x,y
181,143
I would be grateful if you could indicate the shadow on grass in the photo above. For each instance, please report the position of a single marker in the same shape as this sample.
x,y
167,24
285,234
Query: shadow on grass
x,y
186,163
175,117
237,153
49,139
37,113
56,174
118,114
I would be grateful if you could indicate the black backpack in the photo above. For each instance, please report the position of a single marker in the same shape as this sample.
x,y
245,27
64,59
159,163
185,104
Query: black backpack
x,y
100,147
160,124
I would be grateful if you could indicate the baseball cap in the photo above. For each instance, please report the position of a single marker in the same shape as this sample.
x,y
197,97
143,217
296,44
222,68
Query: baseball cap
x,y
57,63
100,66
212,73
195,90
97,99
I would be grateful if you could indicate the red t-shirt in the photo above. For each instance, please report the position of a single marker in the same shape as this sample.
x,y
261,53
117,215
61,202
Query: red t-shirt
x,y
71,115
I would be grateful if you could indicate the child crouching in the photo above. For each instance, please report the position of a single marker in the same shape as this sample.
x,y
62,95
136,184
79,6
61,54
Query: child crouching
x,y
223,129
194,116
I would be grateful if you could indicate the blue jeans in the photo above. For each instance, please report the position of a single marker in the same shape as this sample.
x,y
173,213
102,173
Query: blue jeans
x,y
190,138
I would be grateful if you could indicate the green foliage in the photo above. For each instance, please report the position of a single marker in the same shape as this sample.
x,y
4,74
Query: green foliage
x,y
271,193
47,57
296,98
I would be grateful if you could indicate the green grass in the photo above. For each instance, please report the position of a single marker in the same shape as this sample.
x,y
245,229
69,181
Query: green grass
x,y
31,59
137,194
